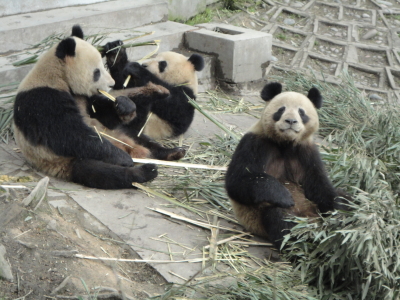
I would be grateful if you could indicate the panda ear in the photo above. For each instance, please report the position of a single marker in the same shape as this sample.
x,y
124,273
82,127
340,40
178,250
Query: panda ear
x,y
270,90
197,61
315,96
66,48
77,31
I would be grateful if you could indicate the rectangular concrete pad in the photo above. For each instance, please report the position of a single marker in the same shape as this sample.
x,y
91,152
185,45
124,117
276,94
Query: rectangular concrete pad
x,y
240,52
19,31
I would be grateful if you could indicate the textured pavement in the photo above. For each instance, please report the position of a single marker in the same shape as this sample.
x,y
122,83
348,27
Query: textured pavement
x,y
327,37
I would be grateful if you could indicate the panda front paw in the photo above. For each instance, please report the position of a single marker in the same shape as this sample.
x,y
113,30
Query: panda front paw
x,y
114,53
143,173
125,108
276,196
111,48
137,73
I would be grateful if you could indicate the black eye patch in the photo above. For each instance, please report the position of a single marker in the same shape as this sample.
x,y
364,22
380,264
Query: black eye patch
x,y
303,116
162,65
276,116
96,75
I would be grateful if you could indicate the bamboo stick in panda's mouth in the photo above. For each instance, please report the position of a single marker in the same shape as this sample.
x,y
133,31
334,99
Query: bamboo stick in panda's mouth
x,y
107,95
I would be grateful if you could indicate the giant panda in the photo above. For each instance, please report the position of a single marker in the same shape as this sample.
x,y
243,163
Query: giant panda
x,y
53,131
172,115
276,170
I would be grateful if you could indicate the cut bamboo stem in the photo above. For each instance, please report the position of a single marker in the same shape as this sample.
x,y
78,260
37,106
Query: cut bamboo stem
x,y
138,260
229,239
148,118
177,164
127,81
107,95
113,138
194,222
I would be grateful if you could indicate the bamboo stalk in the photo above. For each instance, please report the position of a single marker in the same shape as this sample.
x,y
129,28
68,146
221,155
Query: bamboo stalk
x,y
127,81
177,164
172,200
138,260
194,222
148,118
107,95
113,138
228,239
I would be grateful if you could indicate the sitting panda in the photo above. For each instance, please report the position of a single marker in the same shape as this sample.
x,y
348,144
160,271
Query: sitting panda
x,y
276,170
172,115
52,128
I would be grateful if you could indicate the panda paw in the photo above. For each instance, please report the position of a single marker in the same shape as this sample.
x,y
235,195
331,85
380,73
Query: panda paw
x,y
114,53
176,153
125,108
135,70
111,48
276,196
144,173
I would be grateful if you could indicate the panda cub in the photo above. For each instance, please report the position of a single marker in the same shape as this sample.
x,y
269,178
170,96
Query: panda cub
x,y
276,170
172,115
54,132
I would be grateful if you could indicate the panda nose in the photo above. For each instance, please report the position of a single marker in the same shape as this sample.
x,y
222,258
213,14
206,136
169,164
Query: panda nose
x,y
291,121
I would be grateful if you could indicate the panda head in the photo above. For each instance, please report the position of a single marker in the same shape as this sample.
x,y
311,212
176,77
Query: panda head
x,y
176,69
289,116
73,65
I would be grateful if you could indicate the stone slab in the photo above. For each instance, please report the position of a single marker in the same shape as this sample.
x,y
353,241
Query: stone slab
x,y
27,29
27,6
169,33
234,48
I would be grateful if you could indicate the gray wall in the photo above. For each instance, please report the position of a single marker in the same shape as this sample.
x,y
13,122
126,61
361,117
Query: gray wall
x,y
185,9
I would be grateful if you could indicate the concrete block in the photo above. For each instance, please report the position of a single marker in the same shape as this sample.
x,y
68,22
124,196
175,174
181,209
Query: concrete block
x,y
20,31
241,53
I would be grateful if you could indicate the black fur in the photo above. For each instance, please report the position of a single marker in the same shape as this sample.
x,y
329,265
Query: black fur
x,y
270,90
50,118
249,184
66,48
95,173
315,96
197,61
303,116
121,113
174,109
162,65
278,114
77,31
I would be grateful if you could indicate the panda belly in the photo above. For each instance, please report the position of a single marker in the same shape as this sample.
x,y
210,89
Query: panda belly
x,y
157,128
43,158
302,206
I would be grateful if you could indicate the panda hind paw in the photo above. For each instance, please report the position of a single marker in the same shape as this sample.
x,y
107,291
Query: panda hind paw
x,y
143,173
176,154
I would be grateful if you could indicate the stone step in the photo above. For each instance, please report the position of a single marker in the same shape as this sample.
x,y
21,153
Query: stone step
x,y
170,34
19,31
